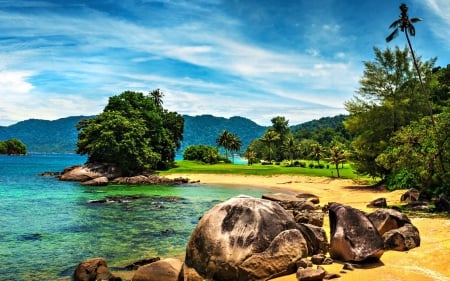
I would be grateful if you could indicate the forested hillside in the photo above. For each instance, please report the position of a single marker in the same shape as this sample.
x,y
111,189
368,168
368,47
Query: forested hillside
x,y
60,136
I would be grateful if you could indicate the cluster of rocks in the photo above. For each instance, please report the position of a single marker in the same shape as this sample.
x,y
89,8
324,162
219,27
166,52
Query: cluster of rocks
x,y
102,174
247,238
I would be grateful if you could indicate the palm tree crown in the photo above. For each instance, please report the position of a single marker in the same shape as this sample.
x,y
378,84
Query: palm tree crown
x,y
403,23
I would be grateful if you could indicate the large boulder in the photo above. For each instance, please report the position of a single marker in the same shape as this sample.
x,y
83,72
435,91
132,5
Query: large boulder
x,y
353,236
92,270
442,204
387,219
402,239
163,270
244,238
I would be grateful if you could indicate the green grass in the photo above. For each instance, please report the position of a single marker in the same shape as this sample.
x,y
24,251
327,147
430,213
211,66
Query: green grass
x,y
192,167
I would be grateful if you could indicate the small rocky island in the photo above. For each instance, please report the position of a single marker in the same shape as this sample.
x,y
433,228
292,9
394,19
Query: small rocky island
x,y
93,174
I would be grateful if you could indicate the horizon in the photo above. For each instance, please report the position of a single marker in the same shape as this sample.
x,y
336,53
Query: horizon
x,y
255,59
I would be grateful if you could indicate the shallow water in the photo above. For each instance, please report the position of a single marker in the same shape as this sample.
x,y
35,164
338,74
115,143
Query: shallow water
x,y
47,226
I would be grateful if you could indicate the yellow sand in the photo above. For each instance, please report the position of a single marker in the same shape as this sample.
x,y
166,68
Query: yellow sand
x,y
430,261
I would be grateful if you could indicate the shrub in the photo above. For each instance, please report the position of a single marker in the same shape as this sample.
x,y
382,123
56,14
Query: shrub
x,y
403,179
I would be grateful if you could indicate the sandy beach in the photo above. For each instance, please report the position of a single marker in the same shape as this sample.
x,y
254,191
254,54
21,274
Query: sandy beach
x,y
430,261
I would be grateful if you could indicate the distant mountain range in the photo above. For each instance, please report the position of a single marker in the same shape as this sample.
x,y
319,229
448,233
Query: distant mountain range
x,y
60,136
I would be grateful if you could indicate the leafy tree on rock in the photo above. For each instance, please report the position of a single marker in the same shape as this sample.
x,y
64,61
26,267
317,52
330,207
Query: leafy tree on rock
x,y
13,147
132,132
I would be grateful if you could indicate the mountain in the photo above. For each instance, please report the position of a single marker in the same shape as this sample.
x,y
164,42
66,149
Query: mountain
x,y
60,136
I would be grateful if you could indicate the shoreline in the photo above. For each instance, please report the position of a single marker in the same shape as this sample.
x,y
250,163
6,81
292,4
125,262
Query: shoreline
x,y
427,262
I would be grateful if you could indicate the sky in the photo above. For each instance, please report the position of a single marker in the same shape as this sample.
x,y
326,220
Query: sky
x,y
258,59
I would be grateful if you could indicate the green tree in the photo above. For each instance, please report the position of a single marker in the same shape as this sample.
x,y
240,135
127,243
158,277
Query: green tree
x,y
133,133
157,97
290,147
281,126
224,140
387,87
201,152
337,156
13,147
250,154
270,138
317,152
422,150
234,144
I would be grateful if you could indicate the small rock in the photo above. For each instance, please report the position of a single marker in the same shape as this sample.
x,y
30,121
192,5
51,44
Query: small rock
x,y
318,259
348,266
310,274
329,276
304,263
378,203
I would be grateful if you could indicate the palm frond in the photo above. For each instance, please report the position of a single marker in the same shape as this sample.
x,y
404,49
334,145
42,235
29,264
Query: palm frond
x,y
396,23
412,30
392,35
414,20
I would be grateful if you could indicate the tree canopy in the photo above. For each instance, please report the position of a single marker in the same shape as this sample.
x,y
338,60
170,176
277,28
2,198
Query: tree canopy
x,y
134,132
13,147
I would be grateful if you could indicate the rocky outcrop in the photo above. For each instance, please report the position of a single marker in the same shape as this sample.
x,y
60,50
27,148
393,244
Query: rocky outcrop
x,y
103,174
353,236
244,238
163,270
94,269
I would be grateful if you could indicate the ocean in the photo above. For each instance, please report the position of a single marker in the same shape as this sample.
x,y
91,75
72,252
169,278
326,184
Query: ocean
x,y
48,226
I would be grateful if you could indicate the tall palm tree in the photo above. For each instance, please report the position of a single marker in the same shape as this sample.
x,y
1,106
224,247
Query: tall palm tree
x,y
317,152
234,144
405,24
290,146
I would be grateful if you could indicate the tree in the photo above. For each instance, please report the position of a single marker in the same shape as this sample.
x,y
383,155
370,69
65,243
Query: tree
x,y
270,138
337,156
201,152
224,140
290,146
406,26
317,152
281,126
13,147
387,89
157,97
251,155
132,132
419,149
234,144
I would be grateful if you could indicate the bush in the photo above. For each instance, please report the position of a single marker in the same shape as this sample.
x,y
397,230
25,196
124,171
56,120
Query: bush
x,y
311,165
204,153
403,179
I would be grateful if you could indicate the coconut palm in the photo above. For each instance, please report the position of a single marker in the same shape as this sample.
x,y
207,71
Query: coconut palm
x,y
337,156
269,138
290,146
234,144
405,24
157,97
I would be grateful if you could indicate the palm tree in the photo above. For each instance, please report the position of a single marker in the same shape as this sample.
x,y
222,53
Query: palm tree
x,y
337,156
157,97
317,152
290,146
405,24
251,155
270,137
234,144
224,141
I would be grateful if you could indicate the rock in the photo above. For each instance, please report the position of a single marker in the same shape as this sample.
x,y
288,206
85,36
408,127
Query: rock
x,y
316,238
410,195
244,238
310,274
100,181
330,276
287,201
309,217
378,203
348,266
92,270
387,219
353,236
303,263
318,259
402,239
422,206
79,173
442,204
309,197
135,265
163,270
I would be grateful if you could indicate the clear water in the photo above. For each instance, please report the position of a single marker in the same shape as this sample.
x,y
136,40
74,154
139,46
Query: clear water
x,y
48,226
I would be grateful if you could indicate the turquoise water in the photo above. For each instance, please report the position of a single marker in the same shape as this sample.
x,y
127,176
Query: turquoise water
x,y
48,226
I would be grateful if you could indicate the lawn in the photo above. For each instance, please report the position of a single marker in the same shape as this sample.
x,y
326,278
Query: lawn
x,y
192,167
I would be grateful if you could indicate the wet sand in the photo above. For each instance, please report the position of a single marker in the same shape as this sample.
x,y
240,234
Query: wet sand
x,y
430,261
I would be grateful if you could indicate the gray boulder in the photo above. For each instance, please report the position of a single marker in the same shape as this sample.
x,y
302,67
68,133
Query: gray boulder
x,y
353,236
402,239
244,238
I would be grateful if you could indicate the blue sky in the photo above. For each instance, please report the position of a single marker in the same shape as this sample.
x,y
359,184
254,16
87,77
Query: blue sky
x,y
258,59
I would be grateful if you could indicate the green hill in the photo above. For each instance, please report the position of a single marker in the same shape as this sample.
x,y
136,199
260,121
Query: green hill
x,y
60,136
